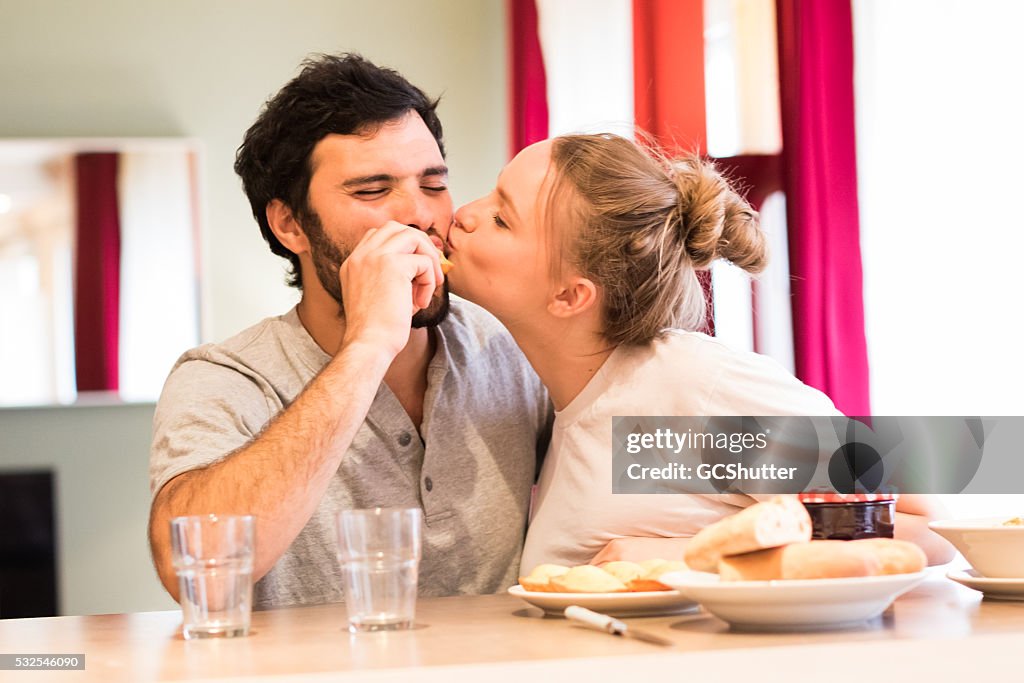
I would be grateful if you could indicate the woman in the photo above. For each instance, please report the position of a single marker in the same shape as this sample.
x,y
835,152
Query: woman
x,y
588,251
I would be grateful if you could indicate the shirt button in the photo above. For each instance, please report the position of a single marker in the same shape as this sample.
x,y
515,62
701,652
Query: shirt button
x,y
405,439
429,483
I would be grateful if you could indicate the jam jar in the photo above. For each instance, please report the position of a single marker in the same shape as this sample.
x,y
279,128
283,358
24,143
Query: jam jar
x,y
847,517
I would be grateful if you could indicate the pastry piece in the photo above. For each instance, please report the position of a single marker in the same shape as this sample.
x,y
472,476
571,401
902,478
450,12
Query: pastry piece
x,y
895,557
586,579
539,579
648,565
446,265
650,582
624,571
770,524
809,560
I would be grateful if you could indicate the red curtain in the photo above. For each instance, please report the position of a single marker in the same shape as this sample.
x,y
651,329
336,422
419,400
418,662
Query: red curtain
x,y
820,177
668,72
668,83
528,81
97,272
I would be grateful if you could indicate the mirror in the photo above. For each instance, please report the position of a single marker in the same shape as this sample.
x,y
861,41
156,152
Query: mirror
x,y
99,267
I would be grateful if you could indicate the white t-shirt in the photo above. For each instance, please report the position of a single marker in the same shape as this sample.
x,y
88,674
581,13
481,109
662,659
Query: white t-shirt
x,y
576,514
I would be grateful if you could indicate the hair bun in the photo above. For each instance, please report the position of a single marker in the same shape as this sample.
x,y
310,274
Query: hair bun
x,y
714,220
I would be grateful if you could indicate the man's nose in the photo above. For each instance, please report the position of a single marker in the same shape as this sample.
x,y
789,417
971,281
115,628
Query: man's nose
x,y
415,211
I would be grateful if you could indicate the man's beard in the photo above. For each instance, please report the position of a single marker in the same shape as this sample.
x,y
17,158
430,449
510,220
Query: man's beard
x,y
328,257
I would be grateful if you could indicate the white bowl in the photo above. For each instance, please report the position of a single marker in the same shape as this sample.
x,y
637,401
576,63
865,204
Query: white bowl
x,y
793,605
995,550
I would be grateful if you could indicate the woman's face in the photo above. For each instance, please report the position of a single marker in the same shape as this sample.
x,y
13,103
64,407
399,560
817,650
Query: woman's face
x,y
498,243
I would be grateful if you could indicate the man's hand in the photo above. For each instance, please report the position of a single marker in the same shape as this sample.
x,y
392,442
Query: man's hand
x,y
391,274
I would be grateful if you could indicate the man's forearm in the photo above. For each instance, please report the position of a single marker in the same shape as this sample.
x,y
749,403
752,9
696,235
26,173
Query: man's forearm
x,y
282,474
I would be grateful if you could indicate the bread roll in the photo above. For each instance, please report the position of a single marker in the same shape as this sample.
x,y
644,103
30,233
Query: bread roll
x,y
587,579
774,523
624,571
808,560
648,565
650,582
539,579
895,557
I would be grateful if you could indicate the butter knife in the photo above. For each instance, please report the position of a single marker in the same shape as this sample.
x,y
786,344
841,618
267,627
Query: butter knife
x,y
603,622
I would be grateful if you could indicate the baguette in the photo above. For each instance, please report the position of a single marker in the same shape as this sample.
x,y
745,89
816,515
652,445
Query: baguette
x,y
809,560
895,557
770,524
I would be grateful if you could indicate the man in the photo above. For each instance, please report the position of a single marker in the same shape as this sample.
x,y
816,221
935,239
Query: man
x,y
374,390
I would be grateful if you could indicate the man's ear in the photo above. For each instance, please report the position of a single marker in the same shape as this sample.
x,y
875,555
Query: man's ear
x,y
286,228
576,296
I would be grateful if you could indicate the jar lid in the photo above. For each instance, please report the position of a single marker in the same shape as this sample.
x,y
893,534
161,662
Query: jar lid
x,y
821,497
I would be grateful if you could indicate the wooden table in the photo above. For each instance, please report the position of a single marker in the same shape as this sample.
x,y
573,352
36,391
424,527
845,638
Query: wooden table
x,y
939,631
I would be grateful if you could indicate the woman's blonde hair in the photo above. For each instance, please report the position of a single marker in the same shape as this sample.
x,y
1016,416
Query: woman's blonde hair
x,y
642,225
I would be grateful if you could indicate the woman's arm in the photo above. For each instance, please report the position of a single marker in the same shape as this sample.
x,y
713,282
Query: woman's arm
x,y
913,512
640,548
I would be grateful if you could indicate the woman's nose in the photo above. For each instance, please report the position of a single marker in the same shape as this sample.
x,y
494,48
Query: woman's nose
x,y
464,218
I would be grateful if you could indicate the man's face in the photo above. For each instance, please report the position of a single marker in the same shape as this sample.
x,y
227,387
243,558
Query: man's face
x,y
362,182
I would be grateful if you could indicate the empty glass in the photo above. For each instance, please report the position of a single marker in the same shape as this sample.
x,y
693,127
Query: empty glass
x,y
213,560
379,552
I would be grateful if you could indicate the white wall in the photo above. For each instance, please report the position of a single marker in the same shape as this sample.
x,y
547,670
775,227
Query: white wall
x,y
100,456
201,69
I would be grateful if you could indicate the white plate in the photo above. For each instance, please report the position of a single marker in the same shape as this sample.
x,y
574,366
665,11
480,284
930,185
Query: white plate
x,y
788,605
997,589
640,604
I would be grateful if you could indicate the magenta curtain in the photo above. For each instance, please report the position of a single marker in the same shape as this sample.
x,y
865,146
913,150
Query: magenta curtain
x,y
97,272
820,178
528,98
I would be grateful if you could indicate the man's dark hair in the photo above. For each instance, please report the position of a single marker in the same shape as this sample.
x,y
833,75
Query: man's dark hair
x,y
340,94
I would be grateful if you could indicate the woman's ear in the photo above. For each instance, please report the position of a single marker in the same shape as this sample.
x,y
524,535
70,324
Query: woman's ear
x,y
575,297
286,228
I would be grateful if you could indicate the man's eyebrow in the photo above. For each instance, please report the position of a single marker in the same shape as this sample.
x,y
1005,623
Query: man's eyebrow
x,y
367,179
434,170
388,178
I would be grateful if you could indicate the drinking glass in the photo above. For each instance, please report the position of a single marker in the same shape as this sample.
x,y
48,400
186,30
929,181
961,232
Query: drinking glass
x,y
379,552
213,557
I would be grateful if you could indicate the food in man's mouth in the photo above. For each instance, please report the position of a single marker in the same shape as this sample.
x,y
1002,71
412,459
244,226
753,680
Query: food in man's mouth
x,y
1016,521
773,523
446,265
